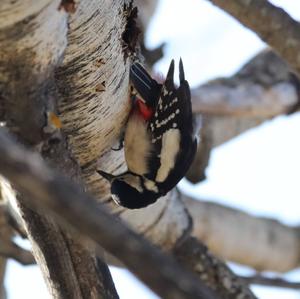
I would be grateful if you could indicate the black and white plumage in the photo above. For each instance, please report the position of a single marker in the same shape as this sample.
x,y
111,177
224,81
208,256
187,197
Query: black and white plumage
x,y
159,139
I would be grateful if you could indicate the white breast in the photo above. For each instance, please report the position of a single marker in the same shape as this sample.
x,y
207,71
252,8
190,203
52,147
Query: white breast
x,y
169,150
137,145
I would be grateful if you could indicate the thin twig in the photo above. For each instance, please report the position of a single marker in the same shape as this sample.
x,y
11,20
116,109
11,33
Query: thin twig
x,y
9,249
271,282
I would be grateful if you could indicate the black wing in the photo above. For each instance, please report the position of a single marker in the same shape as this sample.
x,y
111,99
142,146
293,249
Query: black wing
x,y
173,113
147,87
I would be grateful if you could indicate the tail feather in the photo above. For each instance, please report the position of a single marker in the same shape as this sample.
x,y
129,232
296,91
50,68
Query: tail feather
x,y
147,87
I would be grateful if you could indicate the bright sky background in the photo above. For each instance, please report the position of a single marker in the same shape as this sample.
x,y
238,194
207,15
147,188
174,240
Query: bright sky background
x,y
257,172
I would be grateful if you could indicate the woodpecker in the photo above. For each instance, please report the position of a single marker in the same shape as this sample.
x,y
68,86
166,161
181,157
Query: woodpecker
x,y
159,141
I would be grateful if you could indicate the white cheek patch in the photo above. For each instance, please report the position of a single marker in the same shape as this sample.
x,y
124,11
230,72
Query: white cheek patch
x,y
138,145
150,185
133,181
169,150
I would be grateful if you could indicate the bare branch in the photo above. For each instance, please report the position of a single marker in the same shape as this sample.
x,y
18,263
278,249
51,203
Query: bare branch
x,y
256,236
47,190
214,273
271,23
271,282
5,234
244,100
262,89
8,249
3,263
151,55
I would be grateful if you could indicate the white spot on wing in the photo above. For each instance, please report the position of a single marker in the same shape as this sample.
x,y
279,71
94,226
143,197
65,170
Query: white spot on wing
x,y
165,91
169,150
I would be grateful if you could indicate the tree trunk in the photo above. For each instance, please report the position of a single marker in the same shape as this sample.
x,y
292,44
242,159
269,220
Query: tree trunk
x,y
33,38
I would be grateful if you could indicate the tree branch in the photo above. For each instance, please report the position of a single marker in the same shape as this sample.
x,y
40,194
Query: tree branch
x,y
11,250
272,24
3,262
8,249
271,282
33,39
253,248
195,256
262,89
49,191
5,236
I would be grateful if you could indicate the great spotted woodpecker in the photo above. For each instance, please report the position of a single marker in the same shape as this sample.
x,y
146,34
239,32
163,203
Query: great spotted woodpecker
x,y
159,140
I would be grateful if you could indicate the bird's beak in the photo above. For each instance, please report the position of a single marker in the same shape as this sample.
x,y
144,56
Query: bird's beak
x,y
106,175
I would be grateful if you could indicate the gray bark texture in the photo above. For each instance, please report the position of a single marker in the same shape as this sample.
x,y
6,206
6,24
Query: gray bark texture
x,y
33,38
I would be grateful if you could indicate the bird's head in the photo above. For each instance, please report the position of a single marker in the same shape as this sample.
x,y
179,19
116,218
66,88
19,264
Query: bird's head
x,y
127,190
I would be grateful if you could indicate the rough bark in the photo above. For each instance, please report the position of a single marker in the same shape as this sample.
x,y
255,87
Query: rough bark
x,y
93,118
93,84
33,38
195,256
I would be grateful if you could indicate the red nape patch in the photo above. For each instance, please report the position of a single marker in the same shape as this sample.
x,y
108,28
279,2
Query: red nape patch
x,y
145,111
